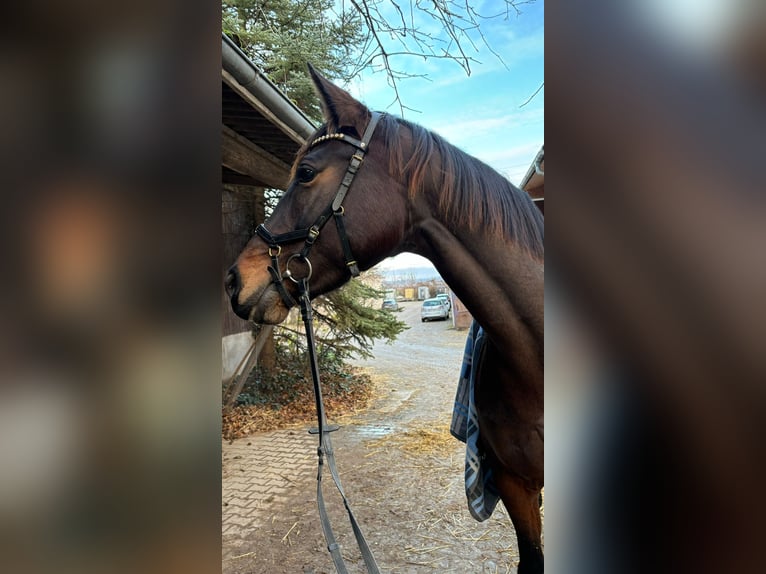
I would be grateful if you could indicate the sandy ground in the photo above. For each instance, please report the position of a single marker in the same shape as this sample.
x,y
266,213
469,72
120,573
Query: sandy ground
x,y
402,473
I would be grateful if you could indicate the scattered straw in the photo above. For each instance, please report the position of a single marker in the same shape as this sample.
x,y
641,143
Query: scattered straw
x,y
245,555
434,440
424,550
286,538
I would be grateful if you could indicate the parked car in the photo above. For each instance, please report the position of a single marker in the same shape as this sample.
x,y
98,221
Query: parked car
x,y
445,299
433,309
390,304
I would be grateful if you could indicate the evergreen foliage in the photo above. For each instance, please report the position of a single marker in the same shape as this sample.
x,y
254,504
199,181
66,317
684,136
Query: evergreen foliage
x,y
349,321
282,36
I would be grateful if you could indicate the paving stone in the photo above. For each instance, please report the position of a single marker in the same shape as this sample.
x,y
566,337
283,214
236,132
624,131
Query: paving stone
x,y
259,474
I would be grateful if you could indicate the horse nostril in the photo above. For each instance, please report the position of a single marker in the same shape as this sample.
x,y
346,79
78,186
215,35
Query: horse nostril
x,y
232,283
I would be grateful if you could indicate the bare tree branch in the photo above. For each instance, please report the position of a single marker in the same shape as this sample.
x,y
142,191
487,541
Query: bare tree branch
x,y
461,34
529,99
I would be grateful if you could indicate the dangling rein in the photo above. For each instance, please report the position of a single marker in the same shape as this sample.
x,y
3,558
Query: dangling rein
x,y
325,451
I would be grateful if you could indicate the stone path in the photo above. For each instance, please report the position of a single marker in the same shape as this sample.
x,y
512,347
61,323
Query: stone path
x,y
412,507
260,473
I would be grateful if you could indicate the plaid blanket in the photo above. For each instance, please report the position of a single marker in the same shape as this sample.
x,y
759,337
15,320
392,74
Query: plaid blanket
x,y
479,487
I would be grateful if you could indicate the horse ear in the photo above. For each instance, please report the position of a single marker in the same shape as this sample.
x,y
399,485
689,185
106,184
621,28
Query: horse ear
x,y
338,106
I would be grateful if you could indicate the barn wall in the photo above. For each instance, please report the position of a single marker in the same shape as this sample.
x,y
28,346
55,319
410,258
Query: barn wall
x,y
461,316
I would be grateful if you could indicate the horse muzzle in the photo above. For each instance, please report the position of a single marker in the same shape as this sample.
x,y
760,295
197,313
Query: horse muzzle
x,y
263,305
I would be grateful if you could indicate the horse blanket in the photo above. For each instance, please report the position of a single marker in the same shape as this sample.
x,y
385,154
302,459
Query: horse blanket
x,y
479,487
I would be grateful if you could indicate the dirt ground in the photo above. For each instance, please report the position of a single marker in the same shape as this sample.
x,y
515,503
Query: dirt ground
x,y
401,470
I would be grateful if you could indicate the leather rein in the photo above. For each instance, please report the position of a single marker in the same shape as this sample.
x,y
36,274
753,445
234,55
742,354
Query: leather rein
x,y
309,235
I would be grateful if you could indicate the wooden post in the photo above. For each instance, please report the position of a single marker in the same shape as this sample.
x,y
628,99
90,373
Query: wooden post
x,y
250,360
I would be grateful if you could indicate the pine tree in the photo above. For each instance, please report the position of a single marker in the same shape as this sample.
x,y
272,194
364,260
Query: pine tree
x,y
283,36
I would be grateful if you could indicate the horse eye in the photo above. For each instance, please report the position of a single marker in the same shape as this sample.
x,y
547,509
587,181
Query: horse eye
x,y
305,174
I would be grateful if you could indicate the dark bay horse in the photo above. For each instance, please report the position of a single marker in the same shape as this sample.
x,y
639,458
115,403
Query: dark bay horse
x,y
415,192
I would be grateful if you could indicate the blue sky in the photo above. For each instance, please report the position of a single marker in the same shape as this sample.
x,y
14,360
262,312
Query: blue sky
x,y
481,113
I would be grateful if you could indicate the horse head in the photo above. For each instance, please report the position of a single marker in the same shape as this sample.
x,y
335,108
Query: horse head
x,y
297,241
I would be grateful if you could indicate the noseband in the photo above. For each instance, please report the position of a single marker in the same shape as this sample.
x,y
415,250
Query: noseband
x,y
335,210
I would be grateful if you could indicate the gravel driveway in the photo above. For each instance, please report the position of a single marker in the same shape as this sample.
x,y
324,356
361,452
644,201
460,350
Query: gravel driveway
x,y
402,473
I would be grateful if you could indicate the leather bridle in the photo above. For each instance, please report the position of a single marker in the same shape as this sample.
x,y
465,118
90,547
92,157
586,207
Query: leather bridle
x,y
309,235
334,210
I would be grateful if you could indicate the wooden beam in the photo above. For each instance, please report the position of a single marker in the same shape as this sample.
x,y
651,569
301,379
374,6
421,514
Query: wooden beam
x,y
239,179
243,156
536,191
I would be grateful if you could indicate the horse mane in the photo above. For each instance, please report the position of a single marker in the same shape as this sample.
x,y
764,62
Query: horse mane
x,y
471,194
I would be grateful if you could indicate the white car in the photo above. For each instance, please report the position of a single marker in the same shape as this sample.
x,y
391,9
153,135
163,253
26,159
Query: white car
x,y
390,304
445,299
433,309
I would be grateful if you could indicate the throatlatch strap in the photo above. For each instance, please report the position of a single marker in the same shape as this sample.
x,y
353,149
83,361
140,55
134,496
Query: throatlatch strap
x,y
347,255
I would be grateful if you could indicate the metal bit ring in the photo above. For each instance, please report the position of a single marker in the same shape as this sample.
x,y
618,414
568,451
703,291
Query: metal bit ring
x,y
289,273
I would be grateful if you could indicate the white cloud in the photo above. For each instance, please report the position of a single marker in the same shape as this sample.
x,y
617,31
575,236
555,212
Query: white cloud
x,y
479,114
512,162
475,126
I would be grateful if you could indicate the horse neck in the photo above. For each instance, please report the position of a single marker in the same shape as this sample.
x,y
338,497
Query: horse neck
x,y
499,282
